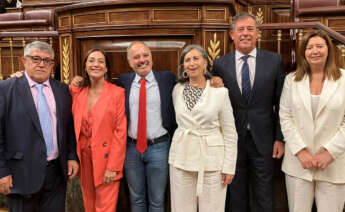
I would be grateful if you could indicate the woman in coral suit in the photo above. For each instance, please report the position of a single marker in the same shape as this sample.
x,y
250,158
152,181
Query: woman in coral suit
x,y
100,127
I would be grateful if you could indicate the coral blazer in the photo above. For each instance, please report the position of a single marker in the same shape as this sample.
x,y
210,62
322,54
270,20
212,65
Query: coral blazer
x,y
109,128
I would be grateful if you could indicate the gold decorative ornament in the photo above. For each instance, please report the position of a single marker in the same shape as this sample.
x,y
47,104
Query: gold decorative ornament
x,y
260,16
214,49
184,75
11,55
279,39
65,61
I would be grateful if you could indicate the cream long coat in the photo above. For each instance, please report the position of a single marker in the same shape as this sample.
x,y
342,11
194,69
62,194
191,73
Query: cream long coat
x,y
327,130
206,138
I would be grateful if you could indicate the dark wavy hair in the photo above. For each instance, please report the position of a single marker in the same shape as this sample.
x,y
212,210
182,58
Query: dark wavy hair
x,y
86,78
303,68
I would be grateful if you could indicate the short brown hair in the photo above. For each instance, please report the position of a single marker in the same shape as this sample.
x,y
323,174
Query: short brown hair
x,y
303,68
86,78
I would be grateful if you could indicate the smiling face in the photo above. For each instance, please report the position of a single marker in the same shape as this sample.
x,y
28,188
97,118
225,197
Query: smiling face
x,y
316,52
37,69
244,35
194,64
96,65
140,59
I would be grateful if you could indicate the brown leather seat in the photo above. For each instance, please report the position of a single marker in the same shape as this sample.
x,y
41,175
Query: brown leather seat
x,y
46,14
11,16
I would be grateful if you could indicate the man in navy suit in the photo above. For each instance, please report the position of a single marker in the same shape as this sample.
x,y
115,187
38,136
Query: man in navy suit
x,y
255,79
37,142
146,169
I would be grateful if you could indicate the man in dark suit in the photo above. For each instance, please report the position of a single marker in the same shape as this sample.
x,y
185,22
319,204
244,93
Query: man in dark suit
x,y
148,143
6,4
255,79
37,142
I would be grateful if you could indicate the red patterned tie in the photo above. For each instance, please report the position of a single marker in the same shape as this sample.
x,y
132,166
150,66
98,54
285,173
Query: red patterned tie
x,y
141,136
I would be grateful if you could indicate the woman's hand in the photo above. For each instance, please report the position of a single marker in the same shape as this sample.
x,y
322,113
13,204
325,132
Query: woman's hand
x,y
109,176
227,179
306,159
76,81
323,159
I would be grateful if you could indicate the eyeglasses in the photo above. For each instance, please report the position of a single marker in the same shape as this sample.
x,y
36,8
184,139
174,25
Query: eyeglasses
x,y
38,60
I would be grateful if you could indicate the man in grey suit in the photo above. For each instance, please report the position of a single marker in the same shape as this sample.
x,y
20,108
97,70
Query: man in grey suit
x,y
255,79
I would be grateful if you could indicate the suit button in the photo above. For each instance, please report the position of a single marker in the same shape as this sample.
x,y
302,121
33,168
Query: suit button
x,y
89,146
105,144
106,155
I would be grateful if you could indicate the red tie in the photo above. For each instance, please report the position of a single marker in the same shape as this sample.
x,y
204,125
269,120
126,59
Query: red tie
x,y
141,136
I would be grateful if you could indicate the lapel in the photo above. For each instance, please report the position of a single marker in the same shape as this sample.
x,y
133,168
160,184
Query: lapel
x,y
160,82
304,92
59,100
128,85
259,73
329,88
233,84
28,102
100,108
79,108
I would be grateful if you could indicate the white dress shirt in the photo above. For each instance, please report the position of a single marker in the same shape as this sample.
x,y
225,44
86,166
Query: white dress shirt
x,y
154,120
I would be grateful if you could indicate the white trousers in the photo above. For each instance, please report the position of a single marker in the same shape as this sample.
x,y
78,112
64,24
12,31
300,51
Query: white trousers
x,y
329,197
183,185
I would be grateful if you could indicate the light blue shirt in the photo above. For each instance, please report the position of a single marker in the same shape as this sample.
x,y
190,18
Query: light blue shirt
x,y
153,108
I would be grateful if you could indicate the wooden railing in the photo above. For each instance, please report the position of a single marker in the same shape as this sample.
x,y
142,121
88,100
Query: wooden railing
x,y
296,31
12,47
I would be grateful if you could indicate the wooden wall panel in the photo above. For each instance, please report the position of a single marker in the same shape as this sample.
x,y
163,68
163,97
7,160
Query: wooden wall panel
x,y
90,19
129,16
176,14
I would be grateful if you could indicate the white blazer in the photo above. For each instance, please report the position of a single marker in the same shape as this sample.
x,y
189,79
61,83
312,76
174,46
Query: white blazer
x,y
325,131
206,137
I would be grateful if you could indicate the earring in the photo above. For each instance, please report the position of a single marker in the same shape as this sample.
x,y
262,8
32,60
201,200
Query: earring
x,y
184,74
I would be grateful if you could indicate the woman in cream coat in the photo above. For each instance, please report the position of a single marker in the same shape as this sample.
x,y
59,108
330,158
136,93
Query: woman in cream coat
x,y
204,147
312,110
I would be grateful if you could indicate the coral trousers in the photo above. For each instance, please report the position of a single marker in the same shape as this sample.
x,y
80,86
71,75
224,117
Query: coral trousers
x,y
102,198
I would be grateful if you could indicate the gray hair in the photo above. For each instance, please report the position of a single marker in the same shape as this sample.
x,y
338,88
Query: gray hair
x,y
243,15
39,45
134,42
183,54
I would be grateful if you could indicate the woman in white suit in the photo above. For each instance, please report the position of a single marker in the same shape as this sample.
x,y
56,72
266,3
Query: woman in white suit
x,y
203,152
312,118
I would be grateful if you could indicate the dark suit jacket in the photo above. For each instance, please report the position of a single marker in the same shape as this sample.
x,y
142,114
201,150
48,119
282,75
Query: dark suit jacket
x,y
262,111
22,147
166,81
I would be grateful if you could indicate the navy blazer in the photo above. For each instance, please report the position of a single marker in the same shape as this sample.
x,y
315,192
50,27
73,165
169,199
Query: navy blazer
x,y
262,111
166,82
23,151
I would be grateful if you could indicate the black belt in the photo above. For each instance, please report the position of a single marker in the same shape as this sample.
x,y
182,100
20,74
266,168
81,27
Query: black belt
x,y
152,141
51,162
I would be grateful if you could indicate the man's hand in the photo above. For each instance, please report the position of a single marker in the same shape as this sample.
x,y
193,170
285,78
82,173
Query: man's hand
x,y
305,158
6,184
17,74
73,168
278,149
217,82
77,81
323,159
227,179
109,176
